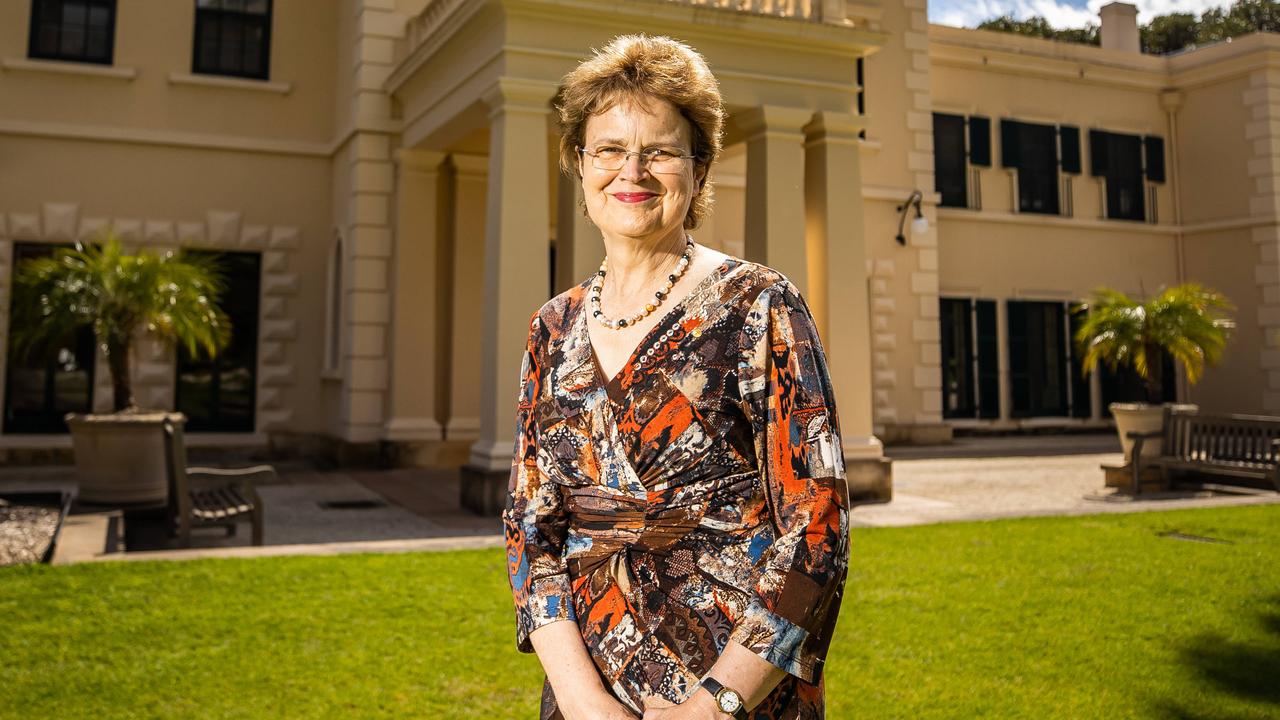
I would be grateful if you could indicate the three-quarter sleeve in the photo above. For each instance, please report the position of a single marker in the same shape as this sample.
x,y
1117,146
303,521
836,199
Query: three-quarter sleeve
x,y
786,393
534,521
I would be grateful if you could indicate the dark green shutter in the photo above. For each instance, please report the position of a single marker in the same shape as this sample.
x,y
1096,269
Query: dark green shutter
x,y
1069,139
1153,146
1019,359
1009,145
988,361
1081,401
979,141
1098,161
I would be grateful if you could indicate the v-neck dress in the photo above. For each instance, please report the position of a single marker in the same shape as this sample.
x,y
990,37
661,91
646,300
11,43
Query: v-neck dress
x,y
696,498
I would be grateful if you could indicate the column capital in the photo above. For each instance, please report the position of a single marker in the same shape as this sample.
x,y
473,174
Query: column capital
x,y
772,119
510,94
829,126
469,165
420,160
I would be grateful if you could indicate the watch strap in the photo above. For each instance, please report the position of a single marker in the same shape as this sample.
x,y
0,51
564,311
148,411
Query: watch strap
x,y
714,687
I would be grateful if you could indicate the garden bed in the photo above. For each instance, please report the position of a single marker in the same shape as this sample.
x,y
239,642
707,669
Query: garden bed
x,y
30,523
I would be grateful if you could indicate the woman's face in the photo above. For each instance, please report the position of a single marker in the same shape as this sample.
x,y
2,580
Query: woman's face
x,y
634,202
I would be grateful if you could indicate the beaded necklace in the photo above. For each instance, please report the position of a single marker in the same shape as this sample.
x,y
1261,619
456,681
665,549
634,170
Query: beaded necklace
x,y
658,297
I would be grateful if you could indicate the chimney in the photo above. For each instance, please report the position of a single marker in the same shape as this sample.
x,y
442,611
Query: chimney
x,y
1119,29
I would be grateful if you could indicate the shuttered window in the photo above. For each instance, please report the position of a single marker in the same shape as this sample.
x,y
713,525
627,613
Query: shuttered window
x,y
970,367
1117,157
1033,150
1037,358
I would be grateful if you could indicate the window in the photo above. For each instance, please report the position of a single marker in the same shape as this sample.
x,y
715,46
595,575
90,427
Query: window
x,y
955,161
218,395
1032,149
233,37
74,30
1118,159
970,370
41,388
1037,358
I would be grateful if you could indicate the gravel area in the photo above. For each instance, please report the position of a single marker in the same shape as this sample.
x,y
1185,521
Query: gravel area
x,y
25,532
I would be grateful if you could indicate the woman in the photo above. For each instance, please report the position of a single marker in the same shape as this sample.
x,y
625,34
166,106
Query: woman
x,y
677,528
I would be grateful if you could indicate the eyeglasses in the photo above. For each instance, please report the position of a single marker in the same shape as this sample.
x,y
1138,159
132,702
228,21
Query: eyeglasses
x,y
658,160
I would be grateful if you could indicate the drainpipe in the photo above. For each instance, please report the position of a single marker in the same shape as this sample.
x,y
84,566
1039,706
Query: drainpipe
x,y
1171,101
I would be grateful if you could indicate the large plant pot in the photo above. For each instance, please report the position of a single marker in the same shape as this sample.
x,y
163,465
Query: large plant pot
x,y
1143,418
120,457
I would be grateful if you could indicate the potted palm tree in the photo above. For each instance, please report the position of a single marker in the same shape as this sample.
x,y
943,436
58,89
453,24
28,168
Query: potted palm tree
x,y
120,455
1182,321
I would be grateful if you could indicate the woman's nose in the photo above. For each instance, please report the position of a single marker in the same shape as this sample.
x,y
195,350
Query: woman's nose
x,y
633,169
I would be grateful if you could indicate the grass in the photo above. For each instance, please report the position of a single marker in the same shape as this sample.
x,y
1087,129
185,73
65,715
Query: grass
x,y
1095,616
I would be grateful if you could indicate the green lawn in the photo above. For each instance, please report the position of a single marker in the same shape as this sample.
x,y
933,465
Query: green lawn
x,y
1085,617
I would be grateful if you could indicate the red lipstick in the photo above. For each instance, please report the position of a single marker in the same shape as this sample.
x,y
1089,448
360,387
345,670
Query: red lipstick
x,y
634,197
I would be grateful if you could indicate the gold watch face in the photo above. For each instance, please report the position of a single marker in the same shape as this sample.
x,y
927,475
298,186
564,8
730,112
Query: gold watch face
x,y
729,701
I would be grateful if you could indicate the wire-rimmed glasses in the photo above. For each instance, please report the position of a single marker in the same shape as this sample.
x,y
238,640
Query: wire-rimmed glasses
x,y
611,158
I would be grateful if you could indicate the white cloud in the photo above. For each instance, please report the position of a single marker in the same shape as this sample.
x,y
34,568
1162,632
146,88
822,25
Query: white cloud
x,y
1059,13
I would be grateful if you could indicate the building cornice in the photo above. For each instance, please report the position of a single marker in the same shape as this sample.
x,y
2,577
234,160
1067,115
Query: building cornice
x,y
151,136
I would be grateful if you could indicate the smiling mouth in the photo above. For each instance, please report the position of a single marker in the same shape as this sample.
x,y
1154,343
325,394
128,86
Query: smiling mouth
x,y
634,197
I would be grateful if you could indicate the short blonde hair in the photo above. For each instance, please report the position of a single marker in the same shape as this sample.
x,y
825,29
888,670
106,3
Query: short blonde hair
x,y
637,65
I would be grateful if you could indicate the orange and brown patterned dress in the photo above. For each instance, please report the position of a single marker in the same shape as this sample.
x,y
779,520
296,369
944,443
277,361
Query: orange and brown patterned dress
x,y
695,499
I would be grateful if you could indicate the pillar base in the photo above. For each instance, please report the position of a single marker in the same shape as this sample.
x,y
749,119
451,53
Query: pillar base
x,y
916,434
484,492
870,480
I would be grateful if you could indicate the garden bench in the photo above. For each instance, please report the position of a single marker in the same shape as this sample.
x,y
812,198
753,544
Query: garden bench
x,y
210,497
1238,446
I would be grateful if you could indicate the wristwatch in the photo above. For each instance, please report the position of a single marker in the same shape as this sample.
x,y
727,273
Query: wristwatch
x,y
728,700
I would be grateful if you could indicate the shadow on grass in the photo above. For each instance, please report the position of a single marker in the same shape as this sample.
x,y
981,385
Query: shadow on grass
x,y
1245,671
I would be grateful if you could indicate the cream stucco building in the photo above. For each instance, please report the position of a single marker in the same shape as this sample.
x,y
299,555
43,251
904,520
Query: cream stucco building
x,y
382,173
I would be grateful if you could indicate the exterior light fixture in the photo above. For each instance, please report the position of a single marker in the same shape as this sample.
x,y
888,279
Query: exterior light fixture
x,y
919,225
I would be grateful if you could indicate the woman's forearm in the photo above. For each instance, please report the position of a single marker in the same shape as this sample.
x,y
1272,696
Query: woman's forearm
x,y
573,676
750,675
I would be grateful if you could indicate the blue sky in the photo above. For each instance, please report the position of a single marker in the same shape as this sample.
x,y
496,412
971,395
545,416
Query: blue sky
x,y
1059,13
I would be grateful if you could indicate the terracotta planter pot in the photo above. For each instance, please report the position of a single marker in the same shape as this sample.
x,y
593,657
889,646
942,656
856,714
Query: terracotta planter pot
x,y
120,457
1144,418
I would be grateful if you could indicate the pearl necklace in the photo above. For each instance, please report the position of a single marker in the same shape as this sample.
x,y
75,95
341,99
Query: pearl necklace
x,y
658,297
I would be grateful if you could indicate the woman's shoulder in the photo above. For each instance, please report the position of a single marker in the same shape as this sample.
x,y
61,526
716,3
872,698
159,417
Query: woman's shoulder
x,y
754,280
557,314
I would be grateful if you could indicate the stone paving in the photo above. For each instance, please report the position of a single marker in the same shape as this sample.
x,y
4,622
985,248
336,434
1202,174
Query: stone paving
x,y
418,510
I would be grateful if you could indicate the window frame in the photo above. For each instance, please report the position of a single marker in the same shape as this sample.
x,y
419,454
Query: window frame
x,y
1014,154
963,156
202,16
33,34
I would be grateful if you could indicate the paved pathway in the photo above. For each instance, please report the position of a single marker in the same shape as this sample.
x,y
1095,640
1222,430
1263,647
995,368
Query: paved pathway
x,y
418,510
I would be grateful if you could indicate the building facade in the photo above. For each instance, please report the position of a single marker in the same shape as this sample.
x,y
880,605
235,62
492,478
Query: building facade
x,y
381,175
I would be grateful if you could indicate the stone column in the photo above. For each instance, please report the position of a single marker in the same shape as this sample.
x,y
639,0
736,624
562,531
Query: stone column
x,y
515,278
775,216
412,396
838,294
471,185
579,248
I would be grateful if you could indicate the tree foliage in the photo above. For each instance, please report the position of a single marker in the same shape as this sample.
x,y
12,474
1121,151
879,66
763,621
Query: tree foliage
x,y
1165,33
1185,321
174,295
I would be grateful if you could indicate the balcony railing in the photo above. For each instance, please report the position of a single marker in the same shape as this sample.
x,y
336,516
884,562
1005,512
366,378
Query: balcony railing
x,y
800,9
422,26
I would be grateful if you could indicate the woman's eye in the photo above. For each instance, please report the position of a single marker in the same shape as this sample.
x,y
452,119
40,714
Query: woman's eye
x,y
660,154
609,151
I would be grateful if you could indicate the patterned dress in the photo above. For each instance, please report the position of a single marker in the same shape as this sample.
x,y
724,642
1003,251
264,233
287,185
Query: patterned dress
x,y
696,498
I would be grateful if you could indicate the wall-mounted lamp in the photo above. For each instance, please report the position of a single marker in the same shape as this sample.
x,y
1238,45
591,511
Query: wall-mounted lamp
x,y
919,225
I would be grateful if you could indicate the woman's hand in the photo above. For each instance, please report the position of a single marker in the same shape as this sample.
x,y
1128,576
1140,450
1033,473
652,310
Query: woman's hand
x,y
593,706
699,706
